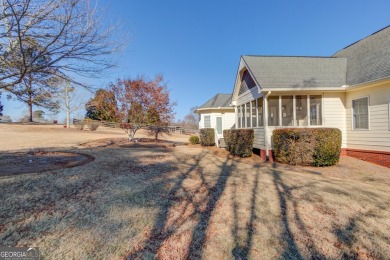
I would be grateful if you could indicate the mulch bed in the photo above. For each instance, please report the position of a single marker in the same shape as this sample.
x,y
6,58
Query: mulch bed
x,y
125,143
223,153
40,161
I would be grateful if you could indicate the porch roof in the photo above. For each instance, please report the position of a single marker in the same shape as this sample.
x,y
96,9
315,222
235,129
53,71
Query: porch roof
x,y
289,72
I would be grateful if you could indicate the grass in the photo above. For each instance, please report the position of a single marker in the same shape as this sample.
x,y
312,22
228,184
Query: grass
x,y
187,203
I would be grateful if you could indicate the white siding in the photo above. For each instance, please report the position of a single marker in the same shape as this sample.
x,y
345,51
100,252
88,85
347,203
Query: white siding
x,y
377,137
248,96
334,113
228,118
259,138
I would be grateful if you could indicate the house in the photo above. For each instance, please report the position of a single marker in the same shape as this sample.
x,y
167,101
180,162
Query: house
x,y
217,113
349,90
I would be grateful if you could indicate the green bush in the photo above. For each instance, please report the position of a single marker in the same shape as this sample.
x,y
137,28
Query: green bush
x,y
239,142
194,139
307,146
207,136
93,125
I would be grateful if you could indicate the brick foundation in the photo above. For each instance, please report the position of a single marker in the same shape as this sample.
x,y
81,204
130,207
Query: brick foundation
x,y
263,155
377,157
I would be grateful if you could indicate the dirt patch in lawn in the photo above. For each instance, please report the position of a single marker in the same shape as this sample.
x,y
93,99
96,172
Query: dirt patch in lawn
x,y
40,161
125,143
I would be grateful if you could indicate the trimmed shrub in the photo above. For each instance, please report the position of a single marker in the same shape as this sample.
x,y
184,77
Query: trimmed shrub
x,y
239,142
79,125
207,136
194,139
307,146
92,125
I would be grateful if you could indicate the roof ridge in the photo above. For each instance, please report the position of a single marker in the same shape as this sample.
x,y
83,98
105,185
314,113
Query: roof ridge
x,y
384,28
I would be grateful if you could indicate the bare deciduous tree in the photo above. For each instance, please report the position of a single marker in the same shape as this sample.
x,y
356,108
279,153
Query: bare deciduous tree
x,y
70,32
70,100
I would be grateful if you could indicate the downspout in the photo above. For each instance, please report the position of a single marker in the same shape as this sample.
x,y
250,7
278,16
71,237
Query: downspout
x,y
266,125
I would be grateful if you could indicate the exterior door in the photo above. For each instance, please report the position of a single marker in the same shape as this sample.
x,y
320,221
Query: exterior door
x,y
219,126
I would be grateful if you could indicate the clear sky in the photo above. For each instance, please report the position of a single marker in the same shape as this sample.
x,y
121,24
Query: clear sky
x,y
197,44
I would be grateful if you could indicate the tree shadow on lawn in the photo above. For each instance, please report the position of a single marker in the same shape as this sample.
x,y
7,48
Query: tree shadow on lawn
x,y
168,201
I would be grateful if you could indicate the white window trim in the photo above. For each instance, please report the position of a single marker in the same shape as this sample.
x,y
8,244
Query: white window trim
x,y
204,121
368,116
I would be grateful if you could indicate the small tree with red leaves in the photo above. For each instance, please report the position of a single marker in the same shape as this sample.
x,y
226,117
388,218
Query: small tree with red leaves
x,y
143,103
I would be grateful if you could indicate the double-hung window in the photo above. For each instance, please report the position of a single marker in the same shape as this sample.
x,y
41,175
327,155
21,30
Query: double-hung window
x,y
207,123
360,113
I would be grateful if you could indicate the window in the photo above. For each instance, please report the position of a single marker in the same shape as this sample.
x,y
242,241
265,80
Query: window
x,y
273,111
360,113
287,111
239,116
207,121
301,110
254,113
243,116
316,110
248,114
260,111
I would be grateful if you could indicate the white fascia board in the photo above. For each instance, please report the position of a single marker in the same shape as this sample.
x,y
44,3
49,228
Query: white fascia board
x,y
368,83
341,89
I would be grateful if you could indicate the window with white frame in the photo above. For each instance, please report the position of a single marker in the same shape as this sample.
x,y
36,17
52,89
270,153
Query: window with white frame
x,y
207,123
360,113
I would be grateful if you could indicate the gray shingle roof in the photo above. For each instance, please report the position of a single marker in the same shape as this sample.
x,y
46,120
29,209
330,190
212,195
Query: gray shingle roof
x,y
297,72
369,58
219,100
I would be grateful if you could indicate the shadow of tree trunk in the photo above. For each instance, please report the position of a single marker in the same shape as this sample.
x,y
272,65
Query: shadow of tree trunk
x,y
292,250
199,232
242,251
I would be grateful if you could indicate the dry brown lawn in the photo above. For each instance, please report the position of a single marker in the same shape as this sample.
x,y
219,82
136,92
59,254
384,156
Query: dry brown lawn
x,y
183,202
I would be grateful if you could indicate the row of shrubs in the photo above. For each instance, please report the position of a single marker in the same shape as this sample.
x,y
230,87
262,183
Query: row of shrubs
x,y
239,142
92,125
307,146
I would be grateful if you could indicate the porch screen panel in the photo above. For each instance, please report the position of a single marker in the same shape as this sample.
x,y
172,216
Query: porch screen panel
x,y
273,111
260,112
287,111
316,110
239,116
248,114
254,118
243,116
301,110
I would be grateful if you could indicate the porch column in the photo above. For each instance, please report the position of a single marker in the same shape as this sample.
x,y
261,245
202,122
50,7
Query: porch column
x,y
265,109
